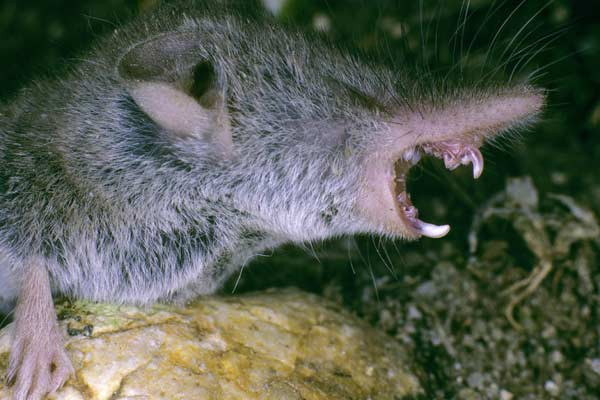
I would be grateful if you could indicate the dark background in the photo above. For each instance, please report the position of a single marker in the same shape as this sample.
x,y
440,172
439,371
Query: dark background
x,y
444,304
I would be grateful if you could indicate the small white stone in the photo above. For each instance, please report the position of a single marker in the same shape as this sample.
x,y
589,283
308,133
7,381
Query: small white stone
x,y
506,395
594,365
274,6
552,388
414,313
556,357
475,380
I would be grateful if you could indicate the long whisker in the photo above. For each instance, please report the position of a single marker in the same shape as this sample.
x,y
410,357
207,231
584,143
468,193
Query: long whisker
x,y
525,25
506,20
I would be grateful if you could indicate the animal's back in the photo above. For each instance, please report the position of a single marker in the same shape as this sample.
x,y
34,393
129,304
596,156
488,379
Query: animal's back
x,y
89,184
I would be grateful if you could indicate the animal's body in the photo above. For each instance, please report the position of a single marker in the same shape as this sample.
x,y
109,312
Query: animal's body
x,y
191,140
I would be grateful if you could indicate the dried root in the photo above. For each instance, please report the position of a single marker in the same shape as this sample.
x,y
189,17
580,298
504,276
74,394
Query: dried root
x,y
519,204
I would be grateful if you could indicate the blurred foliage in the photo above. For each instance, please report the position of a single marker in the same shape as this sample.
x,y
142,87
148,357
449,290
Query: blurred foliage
x,y
36,36
441,300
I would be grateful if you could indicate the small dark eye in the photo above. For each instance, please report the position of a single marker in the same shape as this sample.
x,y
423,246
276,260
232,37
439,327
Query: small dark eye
x,y
359,97
365,100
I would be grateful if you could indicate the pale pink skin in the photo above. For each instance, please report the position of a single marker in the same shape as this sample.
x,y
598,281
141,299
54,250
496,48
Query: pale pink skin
x,y
38,362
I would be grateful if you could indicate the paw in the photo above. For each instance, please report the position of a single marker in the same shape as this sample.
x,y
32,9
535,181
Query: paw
x,y
38,366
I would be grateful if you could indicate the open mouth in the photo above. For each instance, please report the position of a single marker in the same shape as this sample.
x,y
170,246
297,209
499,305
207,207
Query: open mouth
x,y
454,153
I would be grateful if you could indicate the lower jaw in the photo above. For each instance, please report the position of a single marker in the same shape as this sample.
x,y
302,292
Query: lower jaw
x,y
409,215
399,216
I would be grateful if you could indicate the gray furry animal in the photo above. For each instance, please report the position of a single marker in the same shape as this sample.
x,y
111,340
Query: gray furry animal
x,y
194,138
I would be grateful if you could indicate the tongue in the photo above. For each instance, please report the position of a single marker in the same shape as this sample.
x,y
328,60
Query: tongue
x,y
430,230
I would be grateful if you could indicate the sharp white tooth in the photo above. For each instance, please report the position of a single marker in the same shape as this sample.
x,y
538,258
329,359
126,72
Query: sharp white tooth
x,y
416,157
477,160
430,230
410,155
450,162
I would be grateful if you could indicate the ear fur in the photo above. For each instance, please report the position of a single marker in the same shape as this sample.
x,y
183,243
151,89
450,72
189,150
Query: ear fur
x,y
172,80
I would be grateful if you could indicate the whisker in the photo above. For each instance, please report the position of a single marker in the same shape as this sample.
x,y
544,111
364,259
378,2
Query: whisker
x,y
525,25
506,20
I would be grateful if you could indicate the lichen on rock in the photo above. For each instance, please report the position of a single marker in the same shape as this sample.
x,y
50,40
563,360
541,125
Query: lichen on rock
x,y
282,344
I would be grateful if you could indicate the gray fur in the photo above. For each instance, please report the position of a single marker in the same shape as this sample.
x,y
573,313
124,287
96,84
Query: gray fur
x,y
131,216
122,210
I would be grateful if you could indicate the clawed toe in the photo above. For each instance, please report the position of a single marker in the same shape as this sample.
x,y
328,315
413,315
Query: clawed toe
x,y
63,369
38,373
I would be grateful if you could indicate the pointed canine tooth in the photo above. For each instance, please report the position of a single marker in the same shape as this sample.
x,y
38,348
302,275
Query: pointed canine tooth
x,y
416,157
430,230
477,160
412,155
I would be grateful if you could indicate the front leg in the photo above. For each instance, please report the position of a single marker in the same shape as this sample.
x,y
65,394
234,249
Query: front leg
x,y
38,362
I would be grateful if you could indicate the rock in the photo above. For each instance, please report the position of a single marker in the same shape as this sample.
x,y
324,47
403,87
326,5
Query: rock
x,y
281,344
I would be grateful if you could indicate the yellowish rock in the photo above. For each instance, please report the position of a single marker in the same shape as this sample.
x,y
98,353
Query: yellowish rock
x,y
271,345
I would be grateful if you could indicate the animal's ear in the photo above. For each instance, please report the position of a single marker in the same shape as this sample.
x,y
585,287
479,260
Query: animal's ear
x,y
172,79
